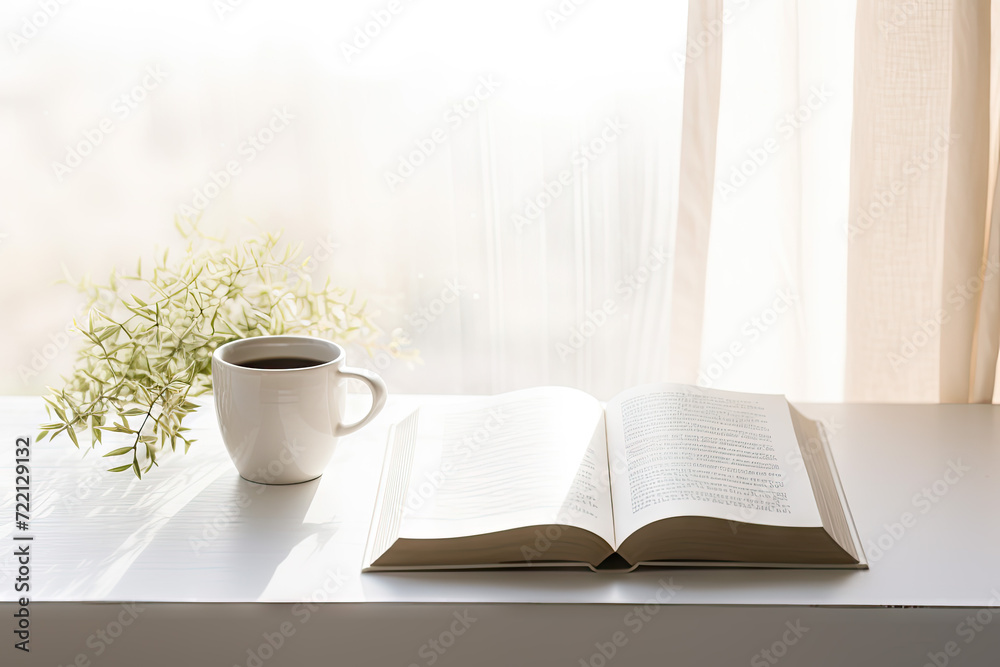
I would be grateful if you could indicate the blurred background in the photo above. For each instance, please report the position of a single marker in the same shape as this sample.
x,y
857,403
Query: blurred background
x,y
491,176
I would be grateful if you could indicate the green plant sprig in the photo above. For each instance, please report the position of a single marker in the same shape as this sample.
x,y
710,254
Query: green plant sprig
x,y
149,338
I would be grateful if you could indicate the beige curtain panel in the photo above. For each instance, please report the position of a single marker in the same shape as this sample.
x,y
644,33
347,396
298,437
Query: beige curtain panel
x,y
922,305
923,288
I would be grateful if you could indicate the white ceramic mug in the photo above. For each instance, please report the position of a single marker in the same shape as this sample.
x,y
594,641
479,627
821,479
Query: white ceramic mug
x,y
281,425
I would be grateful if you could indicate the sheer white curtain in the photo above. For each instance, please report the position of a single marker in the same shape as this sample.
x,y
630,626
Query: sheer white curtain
x,y
500,180
776,270
594,195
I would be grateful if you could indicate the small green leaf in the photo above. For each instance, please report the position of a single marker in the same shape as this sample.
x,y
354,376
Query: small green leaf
x,y
120,468
118,452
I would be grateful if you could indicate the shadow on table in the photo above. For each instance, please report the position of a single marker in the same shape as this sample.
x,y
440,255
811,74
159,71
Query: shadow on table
x,y
228,540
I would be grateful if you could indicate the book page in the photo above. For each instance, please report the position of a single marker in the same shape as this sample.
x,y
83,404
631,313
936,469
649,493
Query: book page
x,y
678,450
531,457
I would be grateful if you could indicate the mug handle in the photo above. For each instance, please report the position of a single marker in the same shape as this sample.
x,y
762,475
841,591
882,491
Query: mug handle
x,y
379,393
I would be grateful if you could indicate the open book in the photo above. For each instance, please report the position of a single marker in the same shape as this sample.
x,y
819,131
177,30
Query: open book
x,y
665,475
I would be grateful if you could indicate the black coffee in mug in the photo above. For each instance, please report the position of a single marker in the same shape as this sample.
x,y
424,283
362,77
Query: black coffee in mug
x,y
279,363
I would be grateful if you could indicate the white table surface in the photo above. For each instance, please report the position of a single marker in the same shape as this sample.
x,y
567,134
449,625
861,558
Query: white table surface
x,y
194,531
